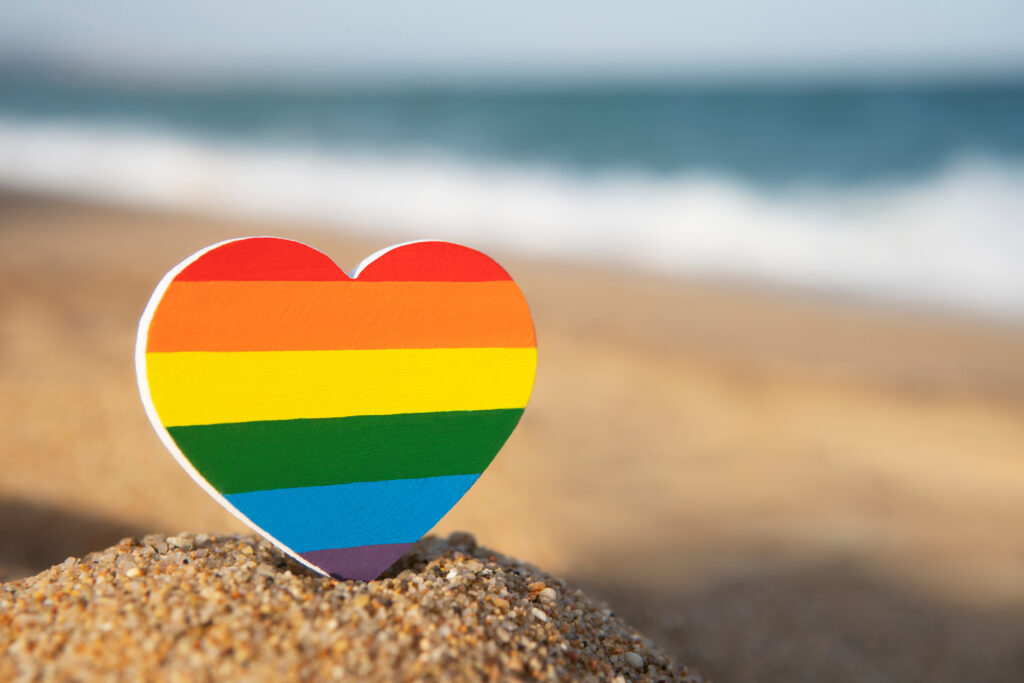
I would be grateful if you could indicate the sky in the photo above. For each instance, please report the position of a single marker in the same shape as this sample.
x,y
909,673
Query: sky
x,y
531,39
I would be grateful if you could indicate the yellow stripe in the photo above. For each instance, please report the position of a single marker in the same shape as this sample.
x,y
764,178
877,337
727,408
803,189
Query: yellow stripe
x,y
191,388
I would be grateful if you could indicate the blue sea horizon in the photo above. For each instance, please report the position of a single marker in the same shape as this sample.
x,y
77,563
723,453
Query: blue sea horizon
x,y
910,192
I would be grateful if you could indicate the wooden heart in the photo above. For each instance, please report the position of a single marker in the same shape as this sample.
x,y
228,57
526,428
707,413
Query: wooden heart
x,y
341,417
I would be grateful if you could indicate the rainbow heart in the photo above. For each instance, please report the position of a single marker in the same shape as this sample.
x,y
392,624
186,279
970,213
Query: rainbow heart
x,y
341,417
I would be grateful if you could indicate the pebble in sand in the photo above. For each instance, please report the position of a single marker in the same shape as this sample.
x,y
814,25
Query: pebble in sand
x,y
197,607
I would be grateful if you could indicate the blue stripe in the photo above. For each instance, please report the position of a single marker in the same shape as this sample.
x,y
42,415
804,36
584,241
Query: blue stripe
x,y
348,515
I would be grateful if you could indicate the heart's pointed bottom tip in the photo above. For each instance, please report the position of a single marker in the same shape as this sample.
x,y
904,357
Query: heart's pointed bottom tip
x,y
365,562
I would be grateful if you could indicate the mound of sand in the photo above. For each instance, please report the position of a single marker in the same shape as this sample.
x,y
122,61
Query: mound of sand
x,y
223,607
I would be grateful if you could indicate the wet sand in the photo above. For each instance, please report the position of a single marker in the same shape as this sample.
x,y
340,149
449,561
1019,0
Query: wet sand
x,y
763,481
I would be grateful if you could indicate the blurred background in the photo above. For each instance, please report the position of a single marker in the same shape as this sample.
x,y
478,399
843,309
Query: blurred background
x,y
775,253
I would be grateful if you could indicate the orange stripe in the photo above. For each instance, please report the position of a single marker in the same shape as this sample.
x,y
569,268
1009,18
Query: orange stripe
x,y
309,316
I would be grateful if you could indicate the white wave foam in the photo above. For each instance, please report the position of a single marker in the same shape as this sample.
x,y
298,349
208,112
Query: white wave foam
x,y
955,239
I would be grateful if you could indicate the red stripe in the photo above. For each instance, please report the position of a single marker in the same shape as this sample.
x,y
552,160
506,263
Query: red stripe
x,y
433,262
262,258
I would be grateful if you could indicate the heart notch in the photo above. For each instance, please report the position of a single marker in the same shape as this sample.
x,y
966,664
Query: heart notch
x,y
339,416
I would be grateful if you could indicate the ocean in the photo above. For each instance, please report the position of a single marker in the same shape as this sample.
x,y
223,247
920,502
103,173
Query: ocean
x,y
912,194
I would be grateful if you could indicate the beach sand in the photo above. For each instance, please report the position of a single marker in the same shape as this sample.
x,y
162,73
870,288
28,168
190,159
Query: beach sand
x,y
201,608
774,486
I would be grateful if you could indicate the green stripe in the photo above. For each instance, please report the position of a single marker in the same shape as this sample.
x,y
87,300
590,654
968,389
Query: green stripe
x,y
254,456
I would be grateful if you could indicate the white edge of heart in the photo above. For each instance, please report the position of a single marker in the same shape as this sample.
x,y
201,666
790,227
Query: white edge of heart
x,y
377,254
147,400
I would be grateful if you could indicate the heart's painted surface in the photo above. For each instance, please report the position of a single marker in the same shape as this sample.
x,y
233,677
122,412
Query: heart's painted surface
x,y
341,417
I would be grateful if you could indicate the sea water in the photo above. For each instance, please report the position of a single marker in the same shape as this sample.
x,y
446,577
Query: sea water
x,y
910,193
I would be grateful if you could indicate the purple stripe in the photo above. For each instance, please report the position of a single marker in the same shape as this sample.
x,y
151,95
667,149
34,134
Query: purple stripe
x,y
364,562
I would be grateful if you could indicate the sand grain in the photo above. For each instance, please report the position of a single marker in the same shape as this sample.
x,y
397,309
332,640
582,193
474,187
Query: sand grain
x,y
229,607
